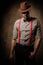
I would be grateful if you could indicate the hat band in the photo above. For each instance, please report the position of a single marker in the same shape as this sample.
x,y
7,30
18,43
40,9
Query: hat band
x,y
24,8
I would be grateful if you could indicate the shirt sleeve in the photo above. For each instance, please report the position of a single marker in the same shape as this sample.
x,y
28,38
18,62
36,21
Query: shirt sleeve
x,y
38,30
15,31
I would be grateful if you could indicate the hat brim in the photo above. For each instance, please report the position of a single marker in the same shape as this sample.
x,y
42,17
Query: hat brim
x,y
21,10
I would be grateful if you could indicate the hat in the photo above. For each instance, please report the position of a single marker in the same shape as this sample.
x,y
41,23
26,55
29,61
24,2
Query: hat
x,y
24,7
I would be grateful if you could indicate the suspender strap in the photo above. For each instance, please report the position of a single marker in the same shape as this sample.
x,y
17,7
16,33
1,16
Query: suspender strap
x,y
30,33
19,31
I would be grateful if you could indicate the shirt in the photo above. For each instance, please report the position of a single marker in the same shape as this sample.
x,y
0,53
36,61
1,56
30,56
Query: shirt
x,y
25,31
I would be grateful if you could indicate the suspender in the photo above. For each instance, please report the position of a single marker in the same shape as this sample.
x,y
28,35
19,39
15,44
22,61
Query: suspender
x,y
30,33
19,31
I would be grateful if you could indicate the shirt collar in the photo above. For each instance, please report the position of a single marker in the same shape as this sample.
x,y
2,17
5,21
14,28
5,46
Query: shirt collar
x,y
27,20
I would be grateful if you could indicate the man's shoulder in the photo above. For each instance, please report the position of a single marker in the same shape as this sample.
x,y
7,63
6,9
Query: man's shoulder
x,y
33,18
18,20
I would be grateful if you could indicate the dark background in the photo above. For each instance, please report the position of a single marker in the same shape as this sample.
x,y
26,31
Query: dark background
x,y
8,15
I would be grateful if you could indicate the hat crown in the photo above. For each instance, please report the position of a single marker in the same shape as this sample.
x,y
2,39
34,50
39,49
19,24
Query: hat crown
x,y
24,5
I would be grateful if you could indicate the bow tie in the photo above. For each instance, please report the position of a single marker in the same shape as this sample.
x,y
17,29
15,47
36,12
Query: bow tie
x,y
27,20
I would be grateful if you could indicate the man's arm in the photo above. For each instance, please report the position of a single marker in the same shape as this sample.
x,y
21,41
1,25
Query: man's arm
x,y
37,40
13,43
37,37
36,44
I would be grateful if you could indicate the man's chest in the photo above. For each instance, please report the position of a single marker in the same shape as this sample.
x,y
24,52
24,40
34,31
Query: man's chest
x,y
26,27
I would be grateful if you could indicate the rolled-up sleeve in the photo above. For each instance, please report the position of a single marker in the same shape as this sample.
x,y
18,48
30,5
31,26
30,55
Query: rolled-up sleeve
x,y
15,31
38,30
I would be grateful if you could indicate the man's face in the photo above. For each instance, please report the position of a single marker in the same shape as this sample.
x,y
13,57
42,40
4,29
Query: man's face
x,y
25,14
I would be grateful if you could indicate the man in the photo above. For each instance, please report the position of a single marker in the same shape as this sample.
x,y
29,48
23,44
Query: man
x,y
26,36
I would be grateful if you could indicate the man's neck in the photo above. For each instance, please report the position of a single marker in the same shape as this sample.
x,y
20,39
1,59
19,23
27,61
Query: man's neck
x,y
27,19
